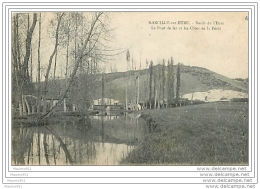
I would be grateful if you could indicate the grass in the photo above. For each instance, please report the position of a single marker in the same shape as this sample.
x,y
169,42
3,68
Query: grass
x,y
205,134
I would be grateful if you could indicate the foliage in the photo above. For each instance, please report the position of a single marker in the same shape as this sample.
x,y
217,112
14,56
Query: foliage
x,y
84,37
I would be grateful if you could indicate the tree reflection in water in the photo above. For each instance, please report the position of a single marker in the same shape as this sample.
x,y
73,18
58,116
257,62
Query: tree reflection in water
x,y
102,140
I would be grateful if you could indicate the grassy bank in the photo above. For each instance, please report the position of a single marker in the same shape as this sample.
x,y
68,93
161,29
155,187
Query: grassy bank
x,y
213,133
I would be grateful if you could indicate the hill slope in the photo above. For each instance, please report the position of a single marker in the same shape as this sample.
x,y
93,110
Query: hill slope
x,y
193,79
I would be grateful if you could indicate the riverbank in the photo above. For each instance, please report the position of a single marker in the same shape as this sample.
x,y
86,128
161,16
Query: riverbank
x,y
212,133
34,120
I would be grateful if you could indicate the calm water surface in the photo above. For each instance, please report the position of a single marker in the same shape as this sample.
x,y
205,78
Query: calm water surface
x,y
98,140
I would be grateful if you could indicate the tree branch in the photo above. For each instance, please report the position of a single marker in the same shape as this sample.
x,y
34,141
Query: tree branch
x,y
79,58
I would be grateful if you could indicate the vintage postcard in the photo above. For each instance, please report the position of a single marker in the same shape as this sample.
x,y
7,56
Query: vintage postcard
x,y
130,88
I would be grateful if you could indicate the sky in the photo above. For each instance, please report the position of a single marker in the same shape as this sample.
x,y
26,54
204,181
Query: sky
x,y
224,51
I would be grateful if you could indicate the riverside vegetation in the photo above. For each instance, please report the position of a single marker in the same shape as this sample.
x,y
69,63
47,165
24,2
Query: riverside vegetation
x,y
212,133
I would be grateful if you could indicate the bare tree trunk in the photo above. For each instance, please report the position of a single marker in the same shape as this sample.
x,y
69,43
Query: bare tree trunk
x,y
138,90
28,46
126,102
67,60
155,98
110,92
31,66
55,62
138,83
18,44
50,63
127,78
163,82
16,70
146,86
20,108
155,86
103,89
28,29
150,84
27,106
75,42
159,96
159,88
66,71
23,105
39,67
64,105
178,82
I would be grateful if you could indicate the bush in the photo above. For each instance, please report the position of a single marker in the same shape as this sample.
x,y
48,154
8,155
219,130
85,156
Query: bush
x,y
239,100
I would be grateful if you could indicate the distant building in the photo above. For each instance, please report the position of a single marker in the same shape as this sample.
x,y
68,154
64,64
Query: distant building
x,y
215,95
105,101
51,102
134,106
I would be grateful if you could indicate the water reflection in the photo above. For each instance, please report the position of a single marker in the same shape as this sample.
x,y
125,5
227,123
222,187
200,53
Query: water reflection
x,y
95,140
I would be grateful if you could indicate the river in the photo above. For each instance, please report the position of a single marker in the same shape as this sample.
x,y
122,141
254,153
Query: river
x,y
94,140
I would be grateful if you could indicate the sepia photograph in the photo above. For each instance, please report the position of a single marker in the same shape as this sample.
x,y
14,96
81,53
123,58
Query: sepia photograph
x,y
130,88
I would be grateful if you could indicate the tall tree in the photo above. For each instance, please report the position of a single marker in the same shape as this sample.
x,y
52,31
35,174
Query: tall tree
x,y
16,88
59,19
31,75
66,31
158,87
103,88
31,59
163,81
127,77
55,63
75,37
138,84
21,77
146,86
172,78
170,85
95,52
39,67
150,84
155,81
178,85
28,48
95,30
